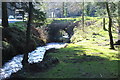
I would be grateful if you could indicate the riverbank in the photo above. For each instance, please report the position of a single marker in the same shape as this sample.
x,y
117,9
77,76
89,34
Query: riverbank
x,y
88,56
47,63
38,60
81,61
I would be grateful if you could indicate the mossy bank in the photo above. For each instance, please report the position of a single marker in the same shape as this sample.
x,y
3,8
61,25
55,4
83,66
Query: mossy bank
x,y
14,42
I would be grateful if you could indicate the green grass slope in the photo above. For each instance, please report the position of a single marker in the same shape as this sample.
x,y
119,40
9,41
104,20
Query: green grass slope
x,y
88,56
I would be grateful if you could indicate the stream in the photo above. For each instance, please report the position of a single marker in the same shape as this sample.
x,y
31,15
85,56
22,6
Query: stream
x,y
35,56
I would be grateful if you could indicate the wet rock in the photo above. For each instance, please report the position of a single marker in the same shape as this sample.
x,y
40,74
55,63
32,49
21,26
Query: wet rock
x,y
50,50
66,46
47,52
44,65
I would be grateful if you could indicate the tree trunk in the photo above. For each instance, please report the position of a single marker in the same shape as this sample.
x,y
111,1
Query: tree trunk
x,y
25,58
63,9
83,16
118,20
109,27
4,15
23,14
104,25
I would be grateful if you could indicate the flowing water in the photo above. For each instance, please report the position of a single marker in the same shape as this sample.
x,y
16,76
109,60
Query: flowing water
x,y
35,56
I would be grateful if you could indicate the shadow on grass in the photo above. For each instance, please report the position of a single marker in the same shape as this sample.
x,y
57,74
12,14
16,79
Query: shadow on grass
x,y
78,54
74,63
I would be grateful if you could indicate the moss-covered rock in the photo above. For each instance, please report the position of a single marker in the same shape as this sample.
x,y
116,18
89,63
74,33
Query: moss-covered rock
x,y
14,42
17,39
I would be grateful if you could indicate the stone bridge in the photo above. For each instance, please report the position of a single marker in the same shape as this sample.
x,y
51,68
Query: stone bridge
x,y
55,28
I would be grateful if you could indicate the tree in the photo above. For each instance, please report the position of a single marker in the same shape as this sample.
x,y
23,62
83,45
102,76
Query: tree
x,y
119,12
83,16
90,9
118,19
104,28
25,58
4,15
19,5
101,12
64,9
109,26
38,15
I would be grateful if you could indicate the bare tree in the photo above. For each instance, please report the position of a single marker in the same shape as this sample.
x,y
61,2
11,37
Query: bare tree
x,y
109,27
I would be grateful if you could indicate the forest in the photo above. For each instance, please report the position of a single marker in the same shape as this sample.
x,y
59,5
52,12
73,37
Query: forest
x,y
60,40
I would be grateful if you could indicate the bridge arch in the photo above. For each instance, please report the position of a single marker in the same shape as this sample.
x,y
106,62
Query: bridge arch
x,y
55,30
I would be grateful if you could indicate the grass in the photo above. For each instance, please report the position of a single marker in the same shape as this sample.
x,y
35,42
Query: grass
x,y
94,31
88,57
82,61
20,25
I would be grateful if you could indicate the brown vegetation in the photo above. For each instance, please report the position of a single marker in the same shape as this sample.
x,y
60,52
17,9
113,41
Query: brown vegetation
x,y
40,33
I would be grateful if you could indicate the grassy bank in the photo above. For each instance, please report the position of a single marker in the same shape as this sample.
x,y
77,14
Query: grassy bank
x,y
82,61
88,56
